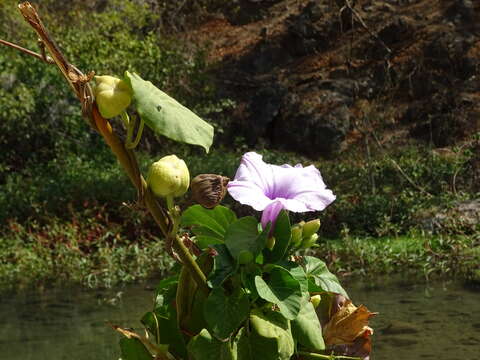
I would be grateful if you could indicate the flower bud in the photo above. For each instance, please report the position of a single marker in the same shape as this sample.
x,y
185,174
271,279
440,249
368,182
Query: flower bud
x,y
311,227
112,95
315,300
209,189
270,243
296,235
309,242
168,176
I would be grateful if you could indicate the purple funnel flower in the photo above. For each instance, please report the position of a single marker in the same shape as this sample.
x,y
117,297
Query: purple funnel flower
x,y
271,188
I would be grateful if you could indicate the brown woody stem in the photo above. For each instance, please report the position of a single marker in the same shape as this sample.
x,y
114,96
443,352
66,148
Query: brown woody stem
x,y
118,148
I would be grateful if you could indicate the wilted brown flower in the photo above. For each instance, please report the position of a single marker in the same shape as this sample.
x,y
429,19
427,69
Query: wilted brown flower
x,y
348,324
209,189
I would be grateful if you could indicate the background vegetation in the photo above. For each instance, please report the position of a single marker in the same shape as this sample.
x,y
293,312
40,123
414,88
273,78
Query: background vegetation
x,y
66,208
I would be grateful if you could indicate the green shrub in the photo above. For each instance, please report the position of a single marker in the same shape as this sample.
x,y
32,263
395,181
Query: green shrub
x,y
91,252
40,120
385,196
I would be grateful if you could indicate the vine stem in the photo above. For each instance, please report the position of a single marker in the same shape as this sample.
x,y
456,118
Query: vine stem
x,y
311,355
158,214
130,124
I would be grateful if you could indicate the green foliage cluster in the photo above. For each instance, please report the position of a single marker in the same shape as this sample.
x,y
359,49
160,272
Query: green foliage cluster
x,y
390,194
258,299
48,154
418,256
88,251
39,118
46,189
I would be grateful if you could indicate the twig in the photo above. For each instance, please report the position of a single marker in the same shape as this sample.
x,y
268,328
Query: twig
x,y
78,81
457,171
311,355
400,170
42,56
395,164
360,20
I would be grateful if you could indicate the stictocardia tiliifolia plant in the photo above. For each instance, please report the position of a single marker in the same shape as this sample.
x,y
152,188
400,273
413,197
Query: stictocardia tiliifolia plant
x,y
243,289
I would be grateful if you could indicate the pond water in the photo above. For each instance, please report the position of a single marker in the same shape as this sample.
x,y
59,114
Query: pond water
x,y
417,321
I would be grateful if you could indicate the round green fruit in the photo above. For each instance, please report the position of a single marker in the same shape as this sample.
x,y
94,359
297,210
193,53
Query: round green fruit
x,y
112,95
169,176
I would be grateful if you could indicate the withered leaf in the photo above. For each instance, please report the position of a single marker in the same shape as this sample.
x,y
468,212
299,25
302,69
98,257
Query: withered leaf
x,y
347,324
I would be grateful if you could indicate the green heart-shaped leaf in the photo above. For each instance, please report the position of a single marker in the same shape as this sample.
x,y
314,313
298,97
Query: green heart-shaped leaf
x,y
166,116
306,328
223,266
281,289
271,336
133,349
225,313
208,224
320,278
242,235
205,347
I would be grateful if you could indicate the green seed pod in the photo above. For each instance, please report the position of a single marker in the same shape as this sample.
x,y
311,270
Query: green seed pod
x,y
315,300
209,189
309,242
296,235
112,95
311,227
168,176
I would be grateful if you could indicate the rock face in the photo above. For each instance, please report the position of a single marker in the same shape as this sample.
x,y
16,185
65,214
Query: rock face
x,y
463,216
311,75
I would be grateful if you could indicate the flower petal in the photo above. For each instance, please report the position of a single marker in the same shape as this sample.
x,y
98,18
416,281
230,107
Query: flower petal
x,y
271,212
248,193
271,187
254,170
295,205
308,188
315,200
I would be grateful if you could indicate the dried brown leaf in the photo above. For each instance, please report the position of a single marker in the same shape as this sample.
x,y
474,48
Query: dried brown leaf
x,y
347,324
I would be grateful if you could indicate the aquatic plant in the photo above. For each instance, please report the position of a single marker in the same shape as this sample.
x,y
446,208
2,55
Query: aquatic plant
x,y
243,289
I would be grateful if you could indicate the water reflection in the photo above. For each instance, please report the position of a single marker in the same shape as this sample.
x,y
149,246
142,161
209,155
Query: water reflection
x,y
68,324
436,321
417,321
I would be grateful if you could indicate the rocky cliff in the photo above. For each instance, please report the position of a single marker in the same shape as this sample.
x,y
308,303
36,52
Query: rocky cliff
x,y
316,76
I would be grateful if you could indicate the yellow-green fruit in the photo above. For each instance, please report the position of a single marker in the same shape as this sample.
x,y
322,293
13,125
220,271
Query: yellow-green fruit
x,y
270,243
112,95
309,242
168,176
310,228
315,300
296,235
